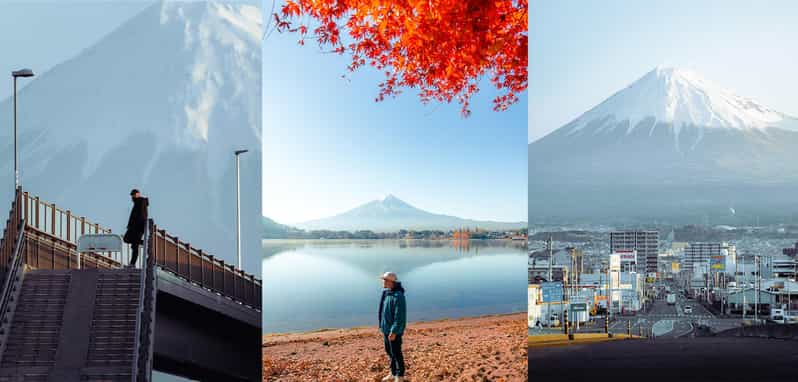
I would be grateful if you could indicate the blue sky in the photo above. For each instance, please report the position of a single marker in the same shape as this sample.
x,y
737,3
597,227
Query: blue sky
x,y
583,52
328,146
40,34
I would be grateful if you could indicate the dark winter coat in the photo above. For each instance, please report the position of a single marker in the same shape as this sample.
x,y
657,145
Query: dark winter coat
x,y
137,223
393,310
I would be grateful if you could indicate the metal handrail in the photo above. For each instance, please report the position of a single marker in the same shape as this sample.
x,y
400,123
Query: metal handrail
x,y
142,358
200,268
139,316
47,218
12,270
61,223
63,250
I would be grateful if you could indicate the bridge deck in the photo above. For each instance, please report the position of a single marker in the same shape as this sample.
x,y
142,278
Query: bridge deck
x,y
64,319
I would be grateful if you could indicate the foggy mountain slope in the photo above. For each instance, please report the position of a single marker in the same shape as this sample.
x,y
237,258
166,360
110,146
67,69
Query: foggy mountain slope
x,y
672,146
392,214
158,104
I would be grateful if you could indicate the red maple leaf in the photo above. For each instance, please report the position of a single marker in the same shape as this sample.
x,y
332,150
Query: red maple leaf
x,y
440,47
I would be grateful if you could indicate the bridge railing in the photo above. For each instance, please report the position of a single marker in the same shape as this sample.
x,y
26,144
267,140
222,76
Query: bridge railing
x,y
144,345
200,268
11,233
51,235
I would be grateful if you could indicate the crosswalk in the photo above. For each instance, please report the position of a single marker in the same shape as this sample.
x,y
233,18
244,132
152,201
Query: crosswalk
x,y
675,315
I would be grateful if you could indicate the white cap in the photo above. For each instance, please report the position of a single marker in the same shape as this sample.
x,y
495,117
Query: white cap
x,y
390,276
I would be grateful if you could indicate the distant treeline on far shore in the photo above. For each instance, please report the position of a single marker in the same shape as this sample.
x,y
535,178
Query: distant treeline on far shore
x,y
274,230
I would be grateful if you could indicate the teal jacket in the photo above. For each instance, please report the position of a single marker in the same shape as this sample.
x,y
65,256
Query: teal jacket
x,y
393,311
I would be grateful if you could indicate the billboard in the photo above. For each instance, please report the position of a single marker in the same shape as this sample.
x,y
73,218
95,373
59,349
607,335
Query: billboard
x,y
626,256
675,267
717,262
551,291
578,307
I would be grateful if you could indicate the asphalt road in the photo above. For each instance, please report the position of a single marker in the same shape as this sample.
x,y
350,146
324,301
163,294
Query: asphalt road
x,y
668,359
666,321
671,321
674,354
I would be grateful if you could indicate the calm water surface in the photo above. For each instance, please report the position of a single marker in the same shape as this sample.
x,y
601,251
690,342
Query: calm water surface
x,y
316,284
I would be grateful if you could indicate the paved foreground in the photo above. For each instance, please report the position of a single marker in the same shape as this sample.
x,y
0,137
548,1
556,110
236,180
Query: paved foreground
x,y
684,359
490,348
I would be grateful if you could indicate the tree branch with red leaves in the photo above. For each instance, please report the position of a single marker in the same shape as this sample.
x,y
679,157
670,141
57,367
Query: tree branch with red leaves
x,y
443,48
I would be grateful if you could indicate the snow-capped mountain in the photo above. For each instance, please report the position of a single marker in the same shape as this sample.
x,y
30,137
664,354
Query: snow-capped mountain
x,y
672,144
680,97
392,214
159,104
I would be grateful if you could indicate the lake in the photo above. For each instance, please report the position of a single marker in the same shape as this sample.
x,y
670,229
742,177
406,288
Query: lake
x,y
311,285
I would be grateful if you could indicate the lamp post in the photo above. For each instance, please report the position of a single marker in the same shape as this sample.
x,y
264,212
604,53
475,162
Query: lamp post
x,y
17,73
238,205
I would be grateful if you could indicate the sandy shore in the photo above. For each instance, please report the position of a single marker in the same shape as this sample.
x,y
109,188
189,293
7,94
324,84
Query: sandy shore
x,y
489,348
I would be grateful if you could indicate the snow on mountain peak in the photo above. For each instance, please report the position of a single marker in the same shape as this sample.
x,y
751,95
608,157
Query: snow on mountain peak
x,y
392,202
682,97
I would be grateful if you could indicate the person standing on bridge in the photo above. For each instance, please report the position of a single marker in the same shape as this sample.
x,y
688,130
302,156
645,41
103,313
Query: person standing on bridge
x,y
136,224
392,318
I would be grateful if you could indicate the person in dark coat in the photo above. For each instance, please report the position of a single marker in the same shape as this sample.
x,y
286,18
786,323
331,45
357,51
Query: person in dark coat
x,y
392,319
136,224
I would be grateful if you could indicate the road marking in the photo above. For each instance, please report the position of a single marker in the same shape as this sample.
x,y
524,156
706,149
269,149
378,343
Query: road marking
x,y
662,327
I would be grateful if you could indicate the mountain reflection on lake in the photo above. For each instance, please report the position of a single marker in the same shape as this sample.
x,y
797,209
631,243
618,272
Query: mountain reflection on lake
x,y
318,284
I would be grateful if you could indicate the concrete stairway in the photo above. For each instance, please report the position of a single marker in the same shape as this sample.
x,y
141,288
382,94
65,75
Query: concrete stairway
x,y
73,325
113,331
32,342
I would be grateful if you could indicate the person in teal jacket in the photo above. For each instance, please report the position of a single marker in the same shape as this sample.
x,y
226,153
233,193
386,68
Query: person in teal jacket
x,y
392,318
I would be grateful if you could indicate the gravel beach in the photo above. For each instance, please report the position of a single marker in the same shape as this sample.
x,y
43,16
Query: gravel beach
x,y
487,348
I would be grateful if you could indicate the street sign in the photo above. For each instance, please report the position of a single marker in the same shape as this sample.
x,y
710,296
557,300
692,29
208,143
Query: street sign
x,y
552,291
578,307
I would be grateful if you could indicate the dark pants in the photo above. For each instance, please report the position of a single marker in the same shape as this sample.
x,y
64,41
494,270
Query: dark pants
x,y
134,237
394,350
134,253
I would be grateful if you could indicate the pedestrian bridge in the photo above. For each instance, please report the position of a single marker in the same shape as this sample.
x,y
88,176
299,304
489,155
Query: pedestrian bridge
x,y
66,316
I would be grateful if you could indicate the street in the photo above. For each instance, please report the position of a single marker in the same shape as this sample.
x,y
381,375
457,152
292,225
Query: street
x,y
666,321
677,351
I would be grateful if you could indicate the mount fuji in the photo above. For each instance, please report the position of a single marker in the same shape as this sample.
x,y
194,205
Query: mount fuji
x,y
391,214
160,104
671,146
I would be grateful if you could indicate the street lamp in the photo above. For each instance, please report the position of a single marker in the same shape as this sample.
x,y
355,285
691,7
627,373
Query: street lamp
x,y
17,73
238,206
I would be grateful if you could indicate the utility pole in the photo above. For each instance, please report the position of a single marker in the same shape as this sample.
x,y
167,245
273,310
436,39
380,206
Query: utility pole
x,y
789,289
745,285
238,207
609,294
22,73
548,306
756,296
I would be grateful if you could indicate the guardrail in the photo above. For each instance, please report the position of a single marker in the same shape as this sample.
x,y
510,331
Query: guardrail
x,y
47,218
144,345
13,267
200,268
51,235
10,233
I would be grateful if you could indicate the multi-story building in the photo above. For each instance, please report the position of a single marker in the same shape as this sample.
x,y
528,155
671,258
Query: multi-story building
x,y
718,255
645,243
791,251
784,267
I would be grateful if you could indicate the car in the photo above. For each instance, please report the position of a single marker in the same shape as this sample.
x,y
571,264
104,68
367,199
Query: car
x,y
688,309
